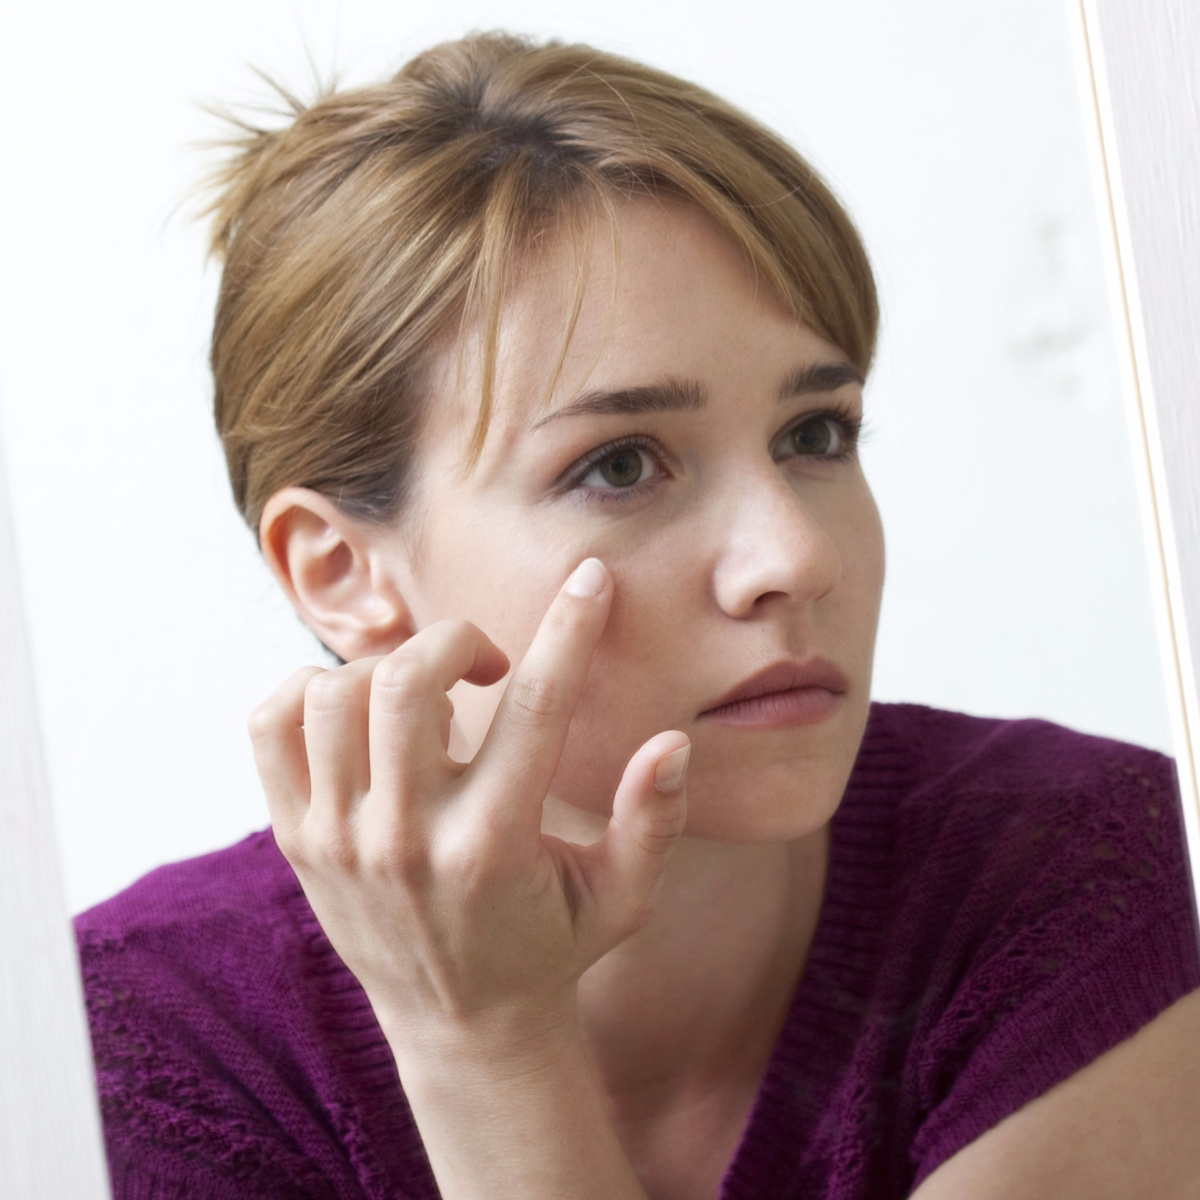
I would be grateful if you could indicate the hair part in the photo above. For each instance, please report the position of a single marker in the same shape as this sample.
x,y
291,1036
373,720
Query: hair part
x,y
380,222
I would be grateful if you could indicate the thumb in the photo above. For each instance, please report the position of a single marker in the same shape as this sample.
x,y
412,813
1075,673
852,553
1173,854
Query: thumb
x,y
649,814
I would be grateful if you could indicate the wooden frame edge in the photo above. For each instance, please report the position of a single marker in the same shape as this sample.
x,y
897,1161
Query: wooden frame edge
x,y
1162,546
51,1145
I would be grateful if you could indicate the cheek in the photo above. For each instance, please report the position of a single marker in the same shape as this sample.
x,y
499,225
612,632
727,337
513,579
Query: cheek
x,y
638,684
858,533
504,583
874,569
491,567
873,551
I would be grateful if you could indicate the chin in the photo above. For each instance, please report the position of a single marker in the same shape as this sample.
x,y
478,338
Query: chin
x,y
772,786
779,805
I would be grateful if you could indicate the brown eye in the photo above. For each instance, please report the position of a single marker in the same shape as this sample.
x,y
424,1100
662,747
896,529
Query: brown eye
x,y
820,435
621,469
817,436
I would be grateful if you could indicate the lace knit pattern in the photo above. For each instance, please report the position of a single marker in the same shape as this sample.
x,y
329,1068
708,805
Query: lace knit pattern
x,y
1006,900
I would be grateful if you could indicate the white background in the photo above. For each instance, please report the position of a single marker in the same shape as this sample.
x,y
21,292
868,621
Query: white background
x,y
1017,578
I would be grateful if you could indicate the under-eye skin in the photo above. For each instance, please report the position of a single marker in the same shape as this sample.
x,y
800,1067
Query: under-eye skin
x,y
617,471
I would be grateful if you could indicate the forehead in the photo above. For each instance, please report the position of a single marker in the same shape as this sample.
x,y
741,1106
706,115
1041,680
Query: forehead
x,y
660,291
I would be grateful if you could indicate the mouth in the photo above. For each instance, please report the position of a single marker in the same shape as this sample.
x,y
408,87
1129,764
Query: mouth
x,y
784,694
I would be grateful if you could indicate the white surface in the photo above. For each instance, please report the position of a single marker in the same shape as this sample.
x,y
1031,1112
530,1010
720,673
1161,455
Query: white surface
x,y
1147,105
50,1145
1016,583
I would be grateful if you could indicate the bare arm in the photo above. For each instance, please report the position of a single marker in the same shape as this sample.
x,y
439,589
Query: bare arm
x,y
1126,1126
525,1124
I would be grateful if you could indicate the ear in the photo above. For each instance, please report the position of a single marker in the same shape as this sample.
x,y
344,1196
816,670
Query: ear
x,y
333,570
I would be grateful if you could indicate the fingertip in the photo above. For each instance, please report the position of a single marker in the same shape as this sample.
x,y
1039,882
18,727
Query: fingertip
x,y
671,768
590,578
490,666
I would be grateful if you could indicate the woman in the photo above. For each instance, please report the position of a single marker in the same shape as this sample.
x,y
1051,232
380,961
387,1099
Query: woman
x,y
593,871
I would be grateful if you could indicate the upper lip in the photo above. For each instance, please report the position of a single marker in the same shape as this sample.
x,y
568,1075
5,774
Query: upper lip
x,y
784,677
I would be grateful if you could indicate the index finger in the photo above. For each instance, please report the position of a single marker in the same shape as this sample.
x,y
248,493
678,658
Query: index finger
x,y
529,730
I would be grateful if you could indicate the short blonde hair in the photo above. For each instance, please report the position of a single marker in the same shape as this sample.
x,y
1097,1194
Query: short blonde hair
x,y
362,233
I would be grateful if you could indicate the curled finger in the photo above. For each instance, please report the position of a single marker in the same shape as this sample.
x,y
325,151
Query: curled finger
x,y
277,737
335,735
410,711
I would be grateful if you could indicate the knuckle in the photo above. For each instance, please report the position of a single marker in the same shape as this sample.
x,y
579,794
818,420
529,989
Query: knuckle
x,y
336,846
406,860
638,916
266,717
397,851
328,690
470,864
563,617
658,833
297,680
291,843
263,721
534,698
400,679
460,629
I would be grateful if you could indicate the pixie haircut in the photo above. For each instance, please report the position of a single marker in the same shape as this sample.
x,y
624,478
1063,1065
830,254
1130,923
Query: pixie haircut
x,y
378,221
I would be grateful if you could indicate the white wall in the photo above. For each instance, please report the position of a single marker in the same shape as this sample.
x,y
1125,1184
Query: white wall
x,y
1017,583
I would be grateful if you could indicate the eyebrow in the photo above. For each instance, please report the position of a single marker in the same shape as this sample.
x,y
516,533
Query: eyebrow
x,y
819,377
685,395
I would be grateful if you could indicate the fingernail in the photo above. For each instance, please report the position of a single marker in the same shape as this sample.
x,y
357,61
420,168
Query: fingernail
x,y
587,579
669,773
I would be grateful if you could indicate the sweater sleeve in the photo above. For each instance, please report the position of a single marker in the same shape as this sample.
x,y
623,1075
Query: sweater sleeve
x,y
1088,933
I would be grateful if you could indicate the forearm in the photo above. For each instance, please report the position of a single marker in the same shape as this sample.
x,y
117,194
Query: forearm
x,y
528,1123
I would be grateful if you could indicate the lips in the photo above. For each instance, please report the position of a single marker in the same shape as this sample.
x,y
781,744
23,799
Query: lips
x,y
784,677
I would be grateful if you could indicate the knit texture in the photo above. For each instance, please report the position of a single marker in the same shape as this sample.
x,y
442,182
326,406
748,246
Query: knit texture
x,y
1006,900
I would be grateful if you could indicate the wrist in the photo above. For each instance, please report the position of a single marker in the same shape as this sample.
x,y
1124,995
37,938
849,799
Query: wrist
x,y
484,1092
501,1044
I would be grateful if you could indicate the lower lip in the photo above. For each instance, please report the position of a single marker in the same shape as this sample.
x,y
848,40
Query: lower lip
x,y
778,710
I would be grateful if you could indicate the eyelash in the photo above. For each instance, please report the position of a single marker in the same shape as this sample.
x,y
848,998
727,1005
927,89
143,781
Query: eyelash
x,y
849,425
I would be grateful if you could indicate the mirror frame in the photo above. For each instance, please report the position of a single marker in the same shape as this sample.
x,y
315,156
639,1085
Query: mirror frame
x,y
1138,67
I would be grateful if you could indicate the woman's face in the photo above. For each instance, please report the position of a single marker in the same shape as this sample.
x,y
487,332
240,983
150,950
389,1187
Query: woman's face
x,y
700,442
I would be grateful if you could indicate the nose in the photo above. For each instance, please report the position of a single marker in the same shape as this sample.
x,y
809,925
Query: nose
x,y
774,548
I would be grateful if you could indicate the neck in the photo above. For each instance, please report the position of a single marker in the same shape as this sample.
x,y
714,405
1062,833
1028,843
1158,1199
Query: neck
x,y
692,1004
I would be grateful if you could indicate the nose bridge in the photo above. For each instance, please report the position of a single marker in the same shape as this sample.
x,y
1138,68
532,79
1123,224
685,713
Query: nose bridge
x,y
774,543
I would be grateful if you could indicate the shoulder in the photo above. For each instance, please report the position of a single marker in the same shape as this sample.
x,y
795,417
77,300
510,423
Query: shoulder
x,y
1042,898
946,749
214,934
228,884
987,796
194,980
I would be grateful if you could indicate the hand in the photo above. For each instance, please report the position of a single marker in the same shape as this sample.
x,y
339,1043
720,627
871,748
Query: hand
x,y
432,878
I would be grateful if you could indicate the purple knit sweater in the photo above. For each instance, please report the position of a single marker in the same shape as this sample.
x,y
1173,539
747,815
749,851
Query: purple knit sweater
x,y
1006,900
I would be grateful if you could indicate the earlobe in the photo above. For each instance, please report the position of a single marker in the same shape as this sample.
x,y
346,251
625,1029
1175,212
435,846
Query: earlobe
x,y
329,567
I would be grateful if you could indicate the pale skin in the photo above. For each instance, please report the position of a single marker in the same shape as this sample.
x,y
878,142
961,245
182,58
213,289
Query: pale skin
x,y
581,968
